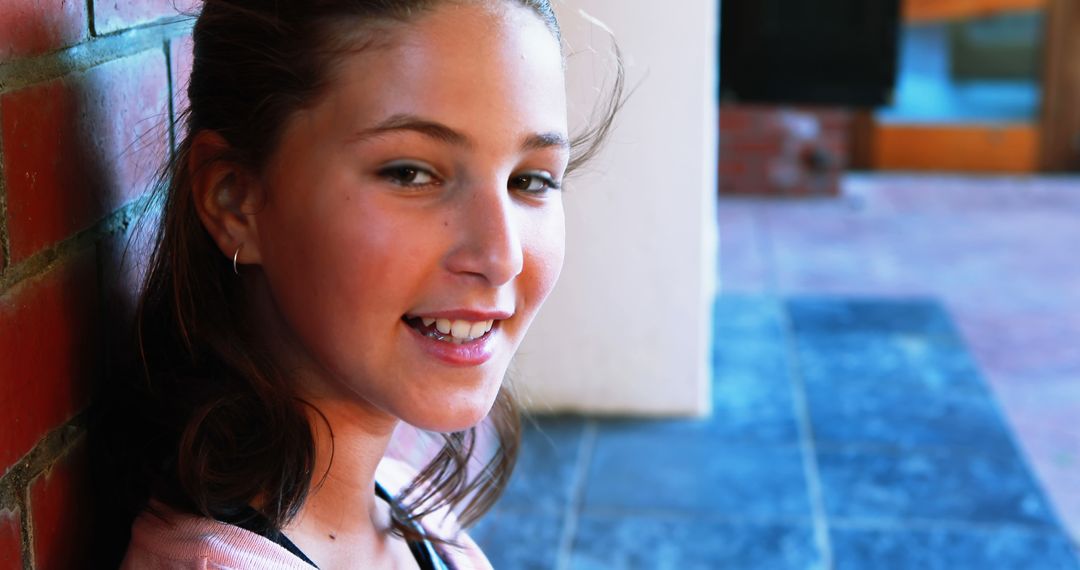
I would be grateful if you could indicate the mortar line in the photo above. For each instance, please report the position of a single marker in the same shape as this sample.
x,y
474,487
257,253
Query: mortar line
x,y
573,506
169,64
811,470
5,243
91,26
16,482
26,528
95,51
44,260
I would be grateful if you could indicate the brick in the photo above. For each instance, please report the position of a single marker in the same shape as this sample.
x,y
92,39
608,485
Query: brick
x,y
729,168
763,146
10,541
114,15
752,183
734,118
61,511
78,147
49,352
34,27
834,119
755,135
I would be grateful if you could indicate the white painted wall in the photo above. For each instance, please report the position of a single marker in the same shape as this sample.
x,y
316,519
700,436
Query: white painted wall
x,y
628,328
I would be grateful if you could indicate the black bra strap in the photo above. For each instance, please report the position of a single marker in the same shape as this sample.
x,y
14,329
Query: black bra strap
x,y
253,521
422,551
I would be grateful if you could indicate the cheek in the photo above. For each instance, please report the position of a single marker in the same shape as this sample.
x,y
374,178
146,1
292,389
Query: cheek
x,y
548,249
333,275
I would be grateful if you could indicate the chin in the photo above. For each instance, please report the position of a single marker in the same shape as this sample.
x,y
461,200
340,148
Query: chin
x,y
453,413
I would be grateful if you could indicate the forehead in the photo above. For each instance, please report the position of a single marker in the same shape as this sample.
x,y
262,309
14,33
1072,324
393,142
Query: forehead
x,y
460,63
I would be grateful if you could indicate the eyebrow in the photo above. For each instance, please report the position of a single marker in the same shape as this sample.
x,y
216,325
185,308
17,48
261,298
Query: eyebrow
x,y
445,134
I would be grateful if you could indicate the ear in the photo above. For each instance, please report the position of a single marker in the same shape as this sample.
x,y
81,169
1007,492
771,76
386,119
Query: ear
x,y
226,196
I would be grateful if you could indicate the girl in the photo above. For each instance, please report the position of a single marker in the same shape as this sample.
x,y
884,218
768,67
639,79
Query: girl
x,y
361,221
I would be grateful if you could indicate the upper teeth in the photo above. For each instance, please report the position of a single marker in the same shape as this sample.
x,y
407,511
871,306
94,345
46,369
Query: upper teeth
x,y
466,330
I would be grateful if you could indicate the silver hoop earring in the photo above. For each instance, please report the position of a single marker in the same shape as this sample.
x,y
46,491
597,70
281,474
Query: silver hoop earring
x,y
234,255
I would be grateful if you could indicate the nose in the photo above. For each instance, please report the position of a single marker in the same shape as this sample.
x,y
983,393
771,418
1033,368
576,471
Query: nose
x,y
486,238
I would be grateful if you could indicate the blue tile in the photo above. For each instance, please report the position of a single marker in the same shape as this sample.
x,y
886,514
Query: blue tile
x,y
753,408
951,549
869,415
746,418
845,316
519,541
752,399
931,485
640,543
764,359
546,465
902,362
693,474
749,317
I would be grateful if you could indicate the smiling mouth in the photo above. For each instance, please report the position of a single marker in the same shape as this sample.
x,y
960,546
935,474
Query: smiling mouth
x,y
456,332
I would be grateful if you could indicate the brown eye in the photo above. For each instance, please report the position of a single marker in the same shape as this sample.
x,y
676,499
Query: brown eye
x,y
408,175
533,183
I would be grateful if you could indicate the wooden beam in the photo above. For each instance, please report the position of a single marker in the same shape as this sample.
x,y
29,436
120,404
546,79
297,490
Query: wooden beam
x,y
1060,143
939,10
956,148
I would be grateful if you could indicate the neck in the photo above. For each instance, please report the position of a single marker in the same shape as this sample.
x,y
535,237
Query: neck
x,y
342,520
348,446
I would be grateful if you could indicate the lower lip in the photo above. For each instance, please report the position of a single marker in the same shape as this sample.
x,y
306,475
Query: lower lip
x,y
472,353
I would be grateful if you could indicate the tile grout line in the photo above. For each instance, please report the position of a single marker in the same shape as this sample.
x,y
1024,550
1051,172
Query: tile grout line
x,y
807,444
573,506
806,441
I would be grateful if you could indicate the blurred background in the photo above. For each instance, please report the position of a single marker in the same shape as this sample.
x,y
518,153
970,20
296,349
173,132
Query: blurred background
x,y
821,307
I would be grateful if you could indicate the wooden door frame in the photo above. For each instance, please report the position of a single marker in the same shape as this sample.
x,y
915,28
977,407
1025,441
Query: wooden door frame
x,y
1057,141
1060,121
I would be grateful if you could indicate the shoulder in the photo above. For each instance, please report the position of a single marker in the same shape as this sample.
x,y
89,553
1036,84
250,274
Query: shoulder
x,y
464,554
164,539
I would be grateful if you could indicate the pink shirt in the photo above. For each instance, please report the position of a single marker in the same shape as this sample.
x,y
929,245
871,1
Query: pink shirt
x,y
186,542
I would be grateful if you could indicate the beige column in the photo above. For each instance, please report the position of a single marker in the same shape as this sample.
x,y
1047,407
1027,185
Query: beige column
x,y
628,329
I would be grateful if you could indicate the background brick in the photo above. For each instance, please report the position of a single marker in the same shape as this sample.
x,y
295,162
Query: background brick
x,y
34,27
776,150
10,542
736,119
114,15
62,514
79,147
49,353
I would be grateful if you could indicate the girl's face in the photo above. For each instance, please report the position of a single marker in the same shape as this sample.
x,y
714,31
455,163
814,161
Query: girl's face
x,y
420,193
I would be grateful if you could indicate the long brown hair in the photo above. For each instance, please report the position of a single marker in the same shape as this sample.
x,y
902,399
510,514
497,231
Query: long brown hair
x,y
220,424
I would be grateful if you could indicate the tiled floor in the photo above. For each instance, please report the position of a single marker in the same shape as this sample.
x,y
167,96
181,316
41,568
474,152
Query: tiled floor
x,y
999,253
847,434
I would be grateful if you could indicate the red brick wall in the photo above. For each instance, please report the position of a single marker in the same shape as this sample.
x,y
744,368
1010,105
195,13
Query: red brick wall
x,y
85,92
785,151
